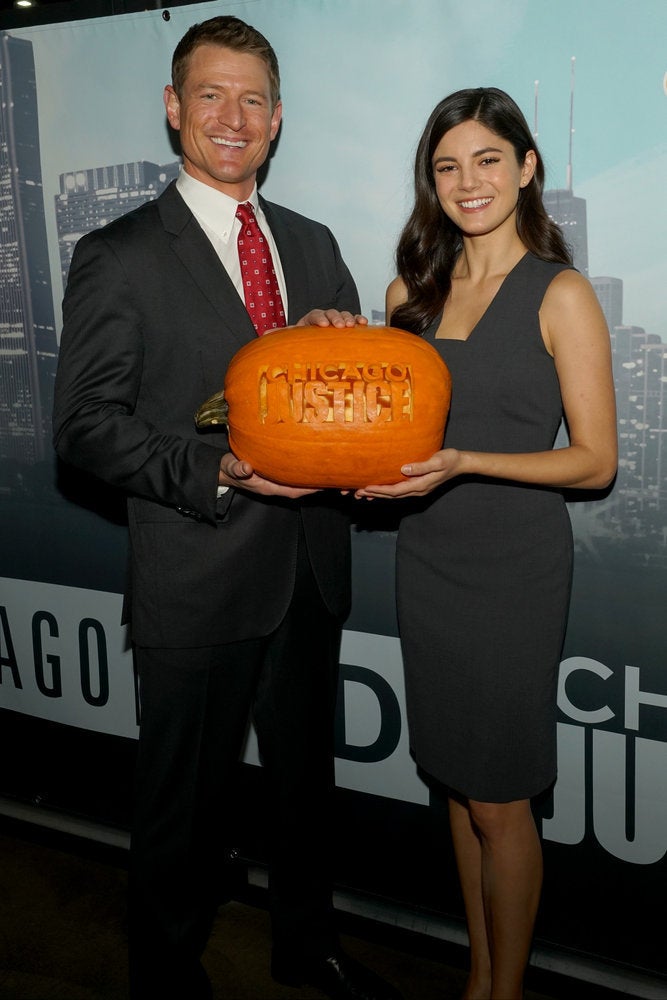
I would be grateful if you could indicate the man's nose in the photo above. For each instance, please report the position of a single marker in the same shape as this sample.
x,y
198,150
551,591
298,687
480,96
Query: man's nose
x,y
231,114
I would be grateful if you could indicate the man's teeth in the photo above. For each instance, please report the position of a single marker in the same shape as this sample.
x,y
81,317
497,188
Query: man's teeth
x,y
238,144
476,203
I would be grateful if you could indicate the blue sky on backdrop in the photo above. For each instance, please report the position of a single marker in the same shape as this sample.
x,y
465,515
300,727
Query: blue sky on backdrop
x,y
359,80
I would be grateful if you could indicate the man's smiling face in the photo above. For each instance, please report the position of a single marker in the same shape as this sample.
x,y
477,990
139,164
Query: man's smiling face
x,y
225,118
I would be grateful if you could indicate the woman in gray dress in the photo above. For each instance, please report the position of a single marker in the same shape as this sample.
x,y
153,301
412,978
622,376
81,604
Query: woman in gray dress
x,y
484,559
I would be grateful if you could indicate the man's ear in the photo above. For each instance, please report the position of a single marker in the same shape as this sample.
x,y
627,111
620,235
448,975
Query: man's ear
x,y
172,106
276,118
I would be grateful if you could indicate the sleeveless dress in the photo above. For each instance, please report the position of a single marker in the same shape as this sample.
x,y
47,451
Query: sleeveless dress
x,y
484,566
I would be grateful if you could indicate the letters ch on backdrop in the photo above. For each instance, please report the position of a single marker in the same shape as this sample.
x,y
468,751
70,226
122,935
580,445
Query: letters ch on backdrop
x,y
63,655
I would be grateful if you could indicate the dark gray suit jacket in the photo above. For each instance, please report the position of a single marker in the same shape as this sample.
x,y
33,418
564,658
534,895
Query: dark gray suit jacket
x,y
151,321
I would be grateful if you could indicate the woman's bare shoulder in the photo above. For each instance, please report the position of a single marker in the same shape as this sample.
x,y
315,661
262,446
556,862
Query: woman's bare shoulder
x,y
397,294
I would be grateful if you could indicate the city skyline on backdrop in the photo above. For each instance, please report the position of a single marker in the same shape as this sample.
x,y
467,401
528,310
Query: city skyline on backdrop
x,y
92,195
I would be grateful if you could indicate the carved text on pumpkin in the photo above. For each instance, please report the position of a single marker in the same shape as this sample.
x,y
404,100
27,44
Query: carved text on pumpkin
x,y
335,392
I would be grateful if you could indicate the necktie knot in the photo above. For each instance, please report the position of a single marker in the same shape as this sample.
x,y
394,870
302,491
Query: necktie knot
x,y
245,213
261,291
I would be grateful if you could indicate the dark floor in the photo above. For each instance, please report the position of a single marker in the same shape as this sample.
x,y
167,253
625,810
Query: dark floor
x,y
62,908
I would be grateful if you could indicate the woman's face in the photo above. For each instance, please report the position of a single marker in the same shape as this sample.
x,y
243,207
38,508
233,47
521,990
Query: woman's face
x,y
477,178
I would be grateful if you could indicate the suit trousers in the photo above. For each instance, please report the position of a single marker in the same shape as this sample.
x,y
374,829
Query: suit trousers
x,y
195,707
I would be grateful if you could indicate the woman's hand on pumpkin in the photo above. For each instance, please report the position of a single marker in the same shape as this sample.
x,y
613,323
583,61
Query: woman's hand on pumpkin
x,y
332,317
423,477
241,475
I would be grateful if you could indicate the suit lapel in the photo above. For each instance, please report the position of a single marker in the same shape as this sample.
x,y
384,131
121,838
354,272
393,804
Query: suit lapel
x,y
194,250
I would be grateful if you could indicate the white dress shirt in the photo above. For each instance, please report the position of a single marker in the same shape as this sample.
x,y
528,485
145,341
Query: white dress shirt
x,y
216,214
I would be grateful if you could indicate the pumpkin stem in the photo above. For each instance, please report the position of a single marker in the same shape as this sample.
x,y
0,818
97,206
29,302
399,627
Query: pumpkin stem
x,y
213,411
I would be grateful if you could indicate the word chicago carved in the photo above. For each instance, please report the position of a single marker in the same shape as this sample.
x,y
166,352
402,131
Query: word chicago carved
x,y
338,392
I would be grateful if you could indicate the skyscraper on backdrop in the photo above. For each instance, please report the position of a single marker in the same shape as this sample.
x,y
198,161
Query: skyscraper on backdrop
x,y
94,196
28,346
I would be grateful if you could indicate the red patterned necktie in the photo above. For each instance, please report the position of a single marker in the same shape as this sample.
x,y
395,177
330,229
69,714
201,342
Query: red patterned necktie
x,y
260,285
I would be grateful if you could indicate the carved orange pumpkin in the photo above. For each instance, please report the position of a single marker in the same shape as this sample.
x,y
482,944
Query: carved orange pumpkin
x,y
322,407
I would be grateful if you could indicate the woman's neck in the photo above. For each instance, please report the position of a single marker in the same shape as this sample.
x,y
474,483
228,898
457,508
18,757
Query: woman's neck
x,y
484,256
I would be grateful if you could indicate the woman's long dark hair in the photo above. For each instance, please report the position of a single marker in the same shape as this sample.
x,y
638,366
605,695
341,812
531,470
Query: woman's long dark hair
x,y
430,242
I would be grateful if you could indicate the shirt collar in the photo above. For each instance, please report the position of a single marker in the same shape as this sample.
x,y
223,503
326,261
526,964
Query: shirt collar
x,y
216,210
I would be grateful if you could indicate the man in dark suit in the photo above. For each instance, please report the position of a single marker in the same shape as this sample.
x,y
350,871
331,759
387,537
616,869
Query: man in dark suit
x,y
238,586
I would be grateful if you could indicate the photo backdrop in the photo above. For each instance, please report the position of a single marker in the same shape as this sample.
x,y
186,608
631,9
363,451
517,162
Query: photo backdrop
x,y
83,138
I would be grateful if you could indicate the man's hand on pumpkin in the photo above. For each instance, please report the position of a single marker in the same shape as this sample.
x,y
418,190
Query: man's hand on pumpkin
x,y
241,475
332,317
